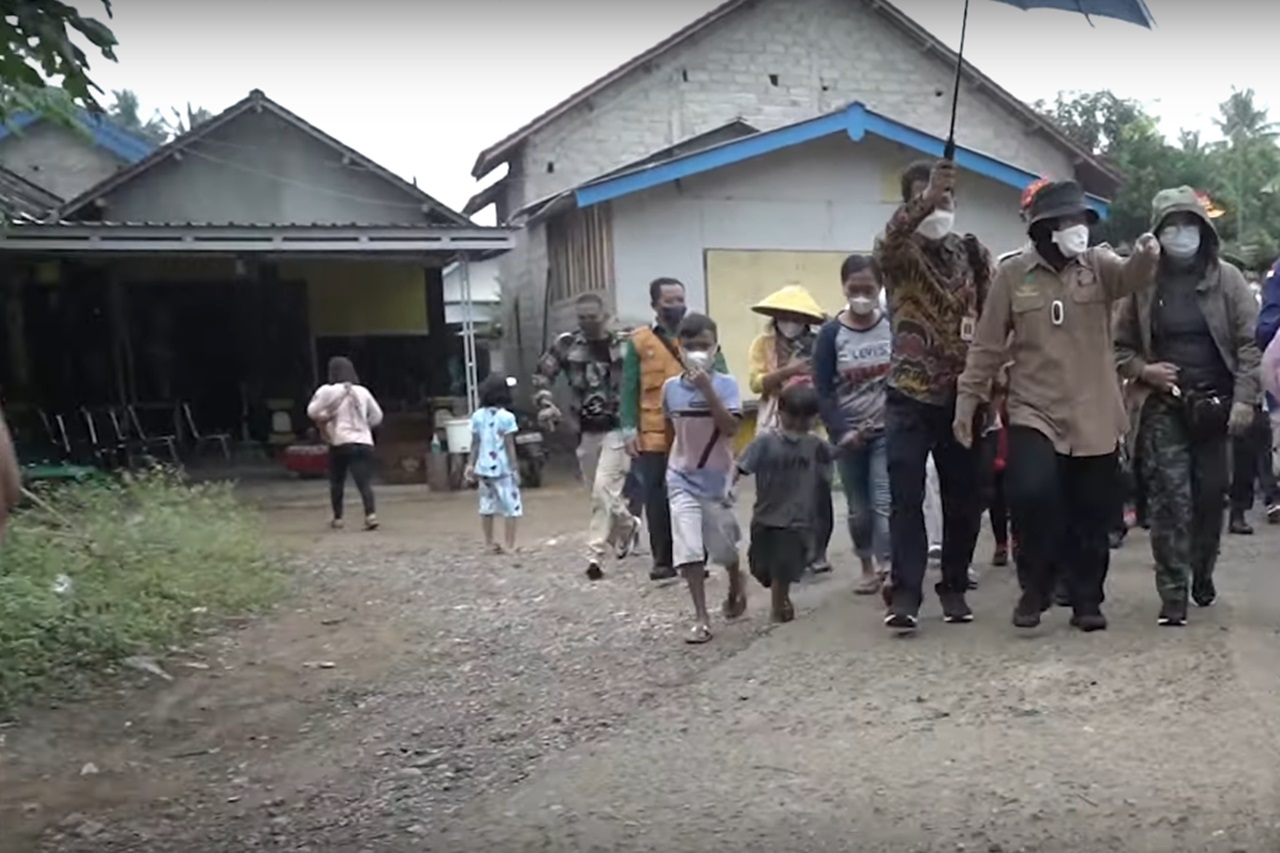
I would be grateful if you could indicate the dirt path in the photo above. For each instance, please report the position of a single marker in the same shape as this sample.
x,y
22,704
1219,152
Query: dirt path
x,y
416,695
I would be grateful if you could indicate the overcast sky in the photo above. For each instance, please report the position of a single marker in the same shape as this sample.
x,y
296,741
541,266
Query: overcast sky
x,y
421,86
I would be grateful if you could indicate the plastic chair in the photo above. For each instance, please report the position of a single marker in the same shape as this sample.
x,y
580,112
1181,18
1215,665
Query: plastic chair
x,y
200,440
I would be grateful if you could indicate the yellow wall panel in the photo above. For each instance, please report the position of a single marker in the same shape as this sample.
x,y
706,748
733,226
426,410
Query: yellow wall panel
x,y
738,279
362,297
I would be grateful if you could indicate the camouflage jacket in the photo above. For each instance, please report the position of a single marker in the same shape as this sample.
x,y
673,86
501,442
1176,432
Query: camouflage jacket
x,y
593,382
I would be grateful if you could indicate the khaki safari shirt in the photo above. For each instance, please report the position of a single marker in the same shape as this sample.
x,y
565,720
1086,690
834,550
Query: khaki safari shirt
x,y
1062,374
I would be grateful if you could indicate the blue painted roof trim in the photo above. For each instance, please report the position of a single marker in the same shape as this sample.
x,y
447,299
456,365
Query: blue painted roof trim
x,y
855,120
105,133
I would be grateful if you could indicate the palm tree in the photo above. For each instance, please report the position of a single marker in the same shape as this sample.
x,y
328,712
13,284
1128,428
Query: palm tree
x,y
1241,120
1244,124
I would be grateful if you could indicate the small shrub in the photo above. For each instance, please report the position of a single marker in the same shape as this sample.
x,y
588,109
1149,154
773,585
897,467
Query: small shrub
x,y
122,568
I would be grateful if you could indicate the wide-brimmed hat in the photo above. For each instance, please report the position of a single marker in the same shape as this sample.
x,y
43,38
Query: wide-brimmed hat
x,y
792,299
1061,198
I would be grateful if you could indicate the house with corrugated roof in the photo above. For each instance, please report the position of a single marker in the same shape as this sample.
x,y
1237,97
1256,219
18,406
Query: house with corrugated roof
x,y
218,273
754,148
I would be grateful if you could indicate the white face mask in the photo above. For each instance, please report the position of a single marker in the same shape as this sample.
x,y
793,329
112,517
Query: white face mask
x,y
789,329
861,306
937,224
699,359
1072,241
1181,242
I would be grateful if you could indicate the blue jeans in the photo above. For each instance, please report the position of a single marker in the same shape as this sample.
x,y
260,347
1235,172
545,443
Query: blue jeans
x,y
864,474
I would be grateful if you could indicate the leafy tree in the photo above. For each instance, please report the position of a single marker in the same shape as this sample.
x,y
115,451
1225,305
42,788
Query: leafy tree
x,y
1241,173
42,68
124,111
1094,120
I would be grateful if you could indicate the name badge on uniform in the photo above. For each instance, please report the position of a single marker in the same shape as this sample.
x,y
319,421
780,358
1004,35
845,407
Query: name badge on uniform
x,y
1057,312
967,326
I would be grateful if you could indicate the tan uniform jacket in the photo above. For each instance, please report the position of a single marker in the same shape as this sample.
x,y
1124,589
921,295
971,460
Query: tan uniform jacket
x,y
1062,378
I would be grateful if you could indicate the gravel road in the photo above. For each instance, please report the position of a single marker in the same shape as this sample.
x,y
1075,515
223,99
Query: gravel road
x,y
416,695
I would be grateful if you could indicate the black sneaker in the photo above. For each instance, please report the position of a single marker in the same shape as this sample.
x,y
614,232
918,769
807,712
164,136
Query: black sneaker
x,y
1089,622
901,620
1239,526
1173,614
1026,614
594,572
1203,591
902,615
954,608
661,573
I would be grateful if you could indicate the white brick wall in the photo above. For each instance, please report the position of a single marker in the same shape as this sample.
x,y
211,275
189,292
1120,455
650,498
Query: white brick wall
x,y
824,53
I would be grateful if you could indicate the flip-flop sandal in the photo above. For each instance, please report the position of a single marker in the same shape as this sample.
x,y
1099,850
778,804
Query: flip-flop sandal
x,y
734,606
869,586
698,635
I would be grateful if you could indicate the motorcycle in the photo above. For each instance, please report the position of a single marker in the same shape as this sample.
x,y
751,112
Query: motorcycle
x,y
531,453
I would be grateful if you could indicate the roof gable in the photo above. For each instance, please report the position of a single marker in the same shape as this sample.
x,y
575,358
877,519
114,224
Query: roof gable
x,y
86,204
102,131
491,157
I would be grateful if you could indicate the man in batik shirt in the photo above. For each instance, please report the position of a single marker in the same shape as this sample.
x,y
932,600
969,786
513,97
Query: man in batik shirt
x,y
590,359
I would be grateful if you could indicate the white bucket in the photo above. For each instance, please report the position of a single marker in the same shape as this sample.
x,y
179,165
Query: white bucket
x,y
457,434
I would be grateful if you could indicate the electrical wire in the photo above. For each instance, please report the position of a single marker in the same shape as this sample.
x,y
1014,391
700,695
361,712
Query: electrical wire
x,y
303,185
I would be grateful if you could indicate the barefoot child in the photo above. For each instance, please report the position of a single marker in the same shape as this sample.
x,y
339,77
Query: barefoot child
x,y
493,461
703,407
787,465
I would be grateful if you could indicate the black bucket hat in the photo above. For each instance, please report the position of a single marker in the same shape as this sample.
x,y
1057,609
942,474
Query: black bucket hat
x,y
1061,198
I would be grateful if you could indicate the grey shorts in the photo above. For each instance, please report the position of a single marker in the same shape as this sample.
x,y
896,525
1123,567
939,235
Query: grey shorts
x,y
702,529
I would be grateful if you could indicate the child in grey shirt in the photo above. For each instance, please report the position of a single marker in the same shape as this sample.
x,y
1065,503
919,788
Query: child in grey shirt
x,y
788,465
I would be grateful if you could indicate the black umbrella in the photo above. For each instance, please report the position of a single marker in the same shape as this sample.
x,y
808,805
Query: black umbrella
x,y
1130,11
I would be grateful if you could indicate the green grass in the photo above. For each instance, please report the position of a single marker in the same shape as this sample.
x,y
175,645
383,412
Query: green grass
x,y
105,571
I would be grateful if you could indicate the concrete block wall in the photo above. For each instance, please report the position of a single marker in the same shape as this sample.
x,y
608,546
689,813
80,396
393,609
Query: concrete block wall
x,y
57,158
770,64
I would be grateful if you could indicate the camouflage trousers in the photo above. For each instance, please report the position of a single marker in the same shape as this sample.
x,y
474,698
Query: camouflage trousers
x,y
1186,483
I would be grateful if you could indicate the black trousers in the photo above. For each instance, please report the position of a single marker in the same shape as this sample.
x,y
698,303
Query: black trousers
x,y
358,459
1062,508
651,469
824,524
915,430
1250,460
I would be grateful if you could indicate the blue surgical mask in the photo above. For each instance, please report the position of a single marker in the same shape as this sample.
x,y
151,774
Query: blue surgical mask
x,y
1180,242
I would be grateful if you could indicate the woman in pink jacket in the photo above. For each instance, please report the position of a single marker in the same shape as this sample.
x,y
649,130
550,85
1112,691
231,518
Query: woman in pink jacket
x,y
346,415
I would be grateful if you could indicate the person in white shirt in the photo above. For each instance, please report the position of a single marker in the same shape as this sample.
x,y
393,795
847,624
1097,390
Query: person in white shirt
x,y
346,414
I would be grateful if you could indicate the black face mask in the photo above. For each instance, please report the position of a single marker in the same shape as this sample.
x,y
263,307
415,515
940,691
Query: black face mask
x,y
671,315
592,331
